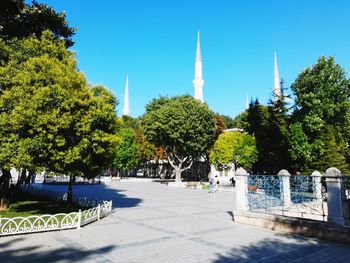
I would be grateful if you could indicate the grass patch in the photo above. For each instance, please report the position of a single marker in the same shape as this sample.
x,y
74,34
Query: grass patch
x,y
27,205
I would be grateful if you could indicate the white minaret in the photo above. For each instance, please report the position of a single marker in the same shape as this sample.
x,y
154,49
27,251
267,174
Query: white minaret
x,y
276,80
247,103
126,109
198,82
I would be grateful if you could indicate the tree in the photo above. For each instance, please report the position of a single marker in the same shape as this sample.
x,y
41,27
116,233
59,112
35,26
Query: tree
x,y
99,129
183,126
220,125
269,125
20,20
322,106
228,121
258,125
299,148
126,154
240,121
234,148
67,127
129,122
277,130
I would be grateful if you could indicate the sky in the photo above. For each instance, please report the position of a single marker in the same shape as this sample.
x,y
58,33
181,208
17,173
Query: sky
x,y
154,43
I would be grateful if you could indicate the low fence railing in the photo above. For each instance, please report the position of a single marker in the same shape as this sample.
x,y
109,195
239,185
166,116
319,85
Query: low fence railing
x,y
300,196
42,223
317,197
65,179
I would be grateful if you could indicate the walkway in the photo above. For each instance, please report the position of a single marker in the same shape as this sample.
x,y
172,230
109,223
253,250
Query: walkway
x,y
155,223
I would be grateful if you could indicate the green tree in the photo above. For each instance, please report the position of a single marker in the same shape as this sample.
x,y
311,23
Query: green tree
x,y
99,129
234,148
240,121
228,121
258,125
277,130
322,106
269,125
126,154
20,20
67,127
183,126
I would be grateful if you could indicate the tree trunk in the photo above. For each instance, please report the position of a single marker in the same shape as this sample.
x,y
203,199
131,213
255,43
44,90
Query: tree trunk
x,y
70,191
21,179
178,174
5,189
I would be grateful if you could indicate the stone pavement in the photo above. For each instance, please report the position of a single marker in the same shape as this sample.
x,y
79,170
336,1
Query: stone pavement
x,y
155,223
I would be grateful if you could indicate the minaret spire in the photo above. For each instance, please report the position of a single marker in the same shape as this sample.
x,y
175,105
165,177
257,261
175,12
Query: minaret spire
x,y
247,103
276,80
198,81
126,109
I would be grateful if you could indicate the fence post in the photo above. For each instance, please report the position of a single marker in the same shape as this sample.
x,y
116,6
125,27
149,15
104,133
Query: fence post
x,y
316,185
79,219
285,179
334,196
241,177
98,212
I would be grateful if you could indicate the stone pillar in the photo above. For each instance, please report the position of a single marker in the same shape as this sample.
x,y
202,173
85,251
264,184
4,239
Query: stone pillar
x,y
316,185
241,177
285,187
334,196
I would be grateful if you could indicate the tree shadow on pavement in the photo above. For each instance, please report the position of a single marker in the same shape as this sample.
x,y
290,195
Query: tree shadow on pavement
x,y
98,191
289,249
65,254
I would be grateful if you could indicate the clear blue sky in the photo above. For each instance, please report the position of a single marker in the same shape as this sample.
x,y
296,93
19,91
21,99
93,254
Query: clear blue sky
x,y
154,41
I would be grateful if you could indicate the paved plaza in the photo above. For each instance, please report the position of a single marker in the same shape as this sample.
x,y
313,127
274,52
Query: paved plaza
x,y
155,223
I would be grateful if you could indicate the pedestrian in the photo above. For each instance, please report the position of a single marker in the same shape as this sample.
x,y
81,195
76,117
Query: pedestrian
x,y
216,187
211,185
33,178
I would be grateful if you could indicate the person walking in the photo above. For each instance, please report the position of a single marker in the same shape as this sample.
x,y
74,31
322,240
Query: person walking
x,y
211,185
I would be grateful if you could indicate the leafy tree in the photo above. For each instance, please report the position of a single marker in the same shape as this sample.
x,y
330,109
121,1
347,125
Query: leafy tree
x,y
300,149
258,125
234,148
228,121
269,125
240,121
220,125
99,128
67,127
322,101
183,126
277,130
20,20
126,154
129,122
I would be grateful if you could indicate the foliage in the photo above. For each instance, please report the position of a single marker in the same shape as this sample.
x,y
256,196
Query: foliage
x,y
234,148
129,122
126,154
67,127
99,130
21,20
219,126
228,121
323,112
269,125
183,126
240,121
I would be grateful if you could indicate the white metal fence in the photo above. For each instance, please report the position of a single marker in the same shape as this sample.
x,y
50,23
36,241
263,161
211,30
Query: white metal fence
x,y
61,221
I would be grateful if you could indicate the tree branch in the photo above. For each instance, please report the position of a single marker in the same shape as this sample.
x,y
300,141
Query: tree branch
x,y
188,167
171,162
